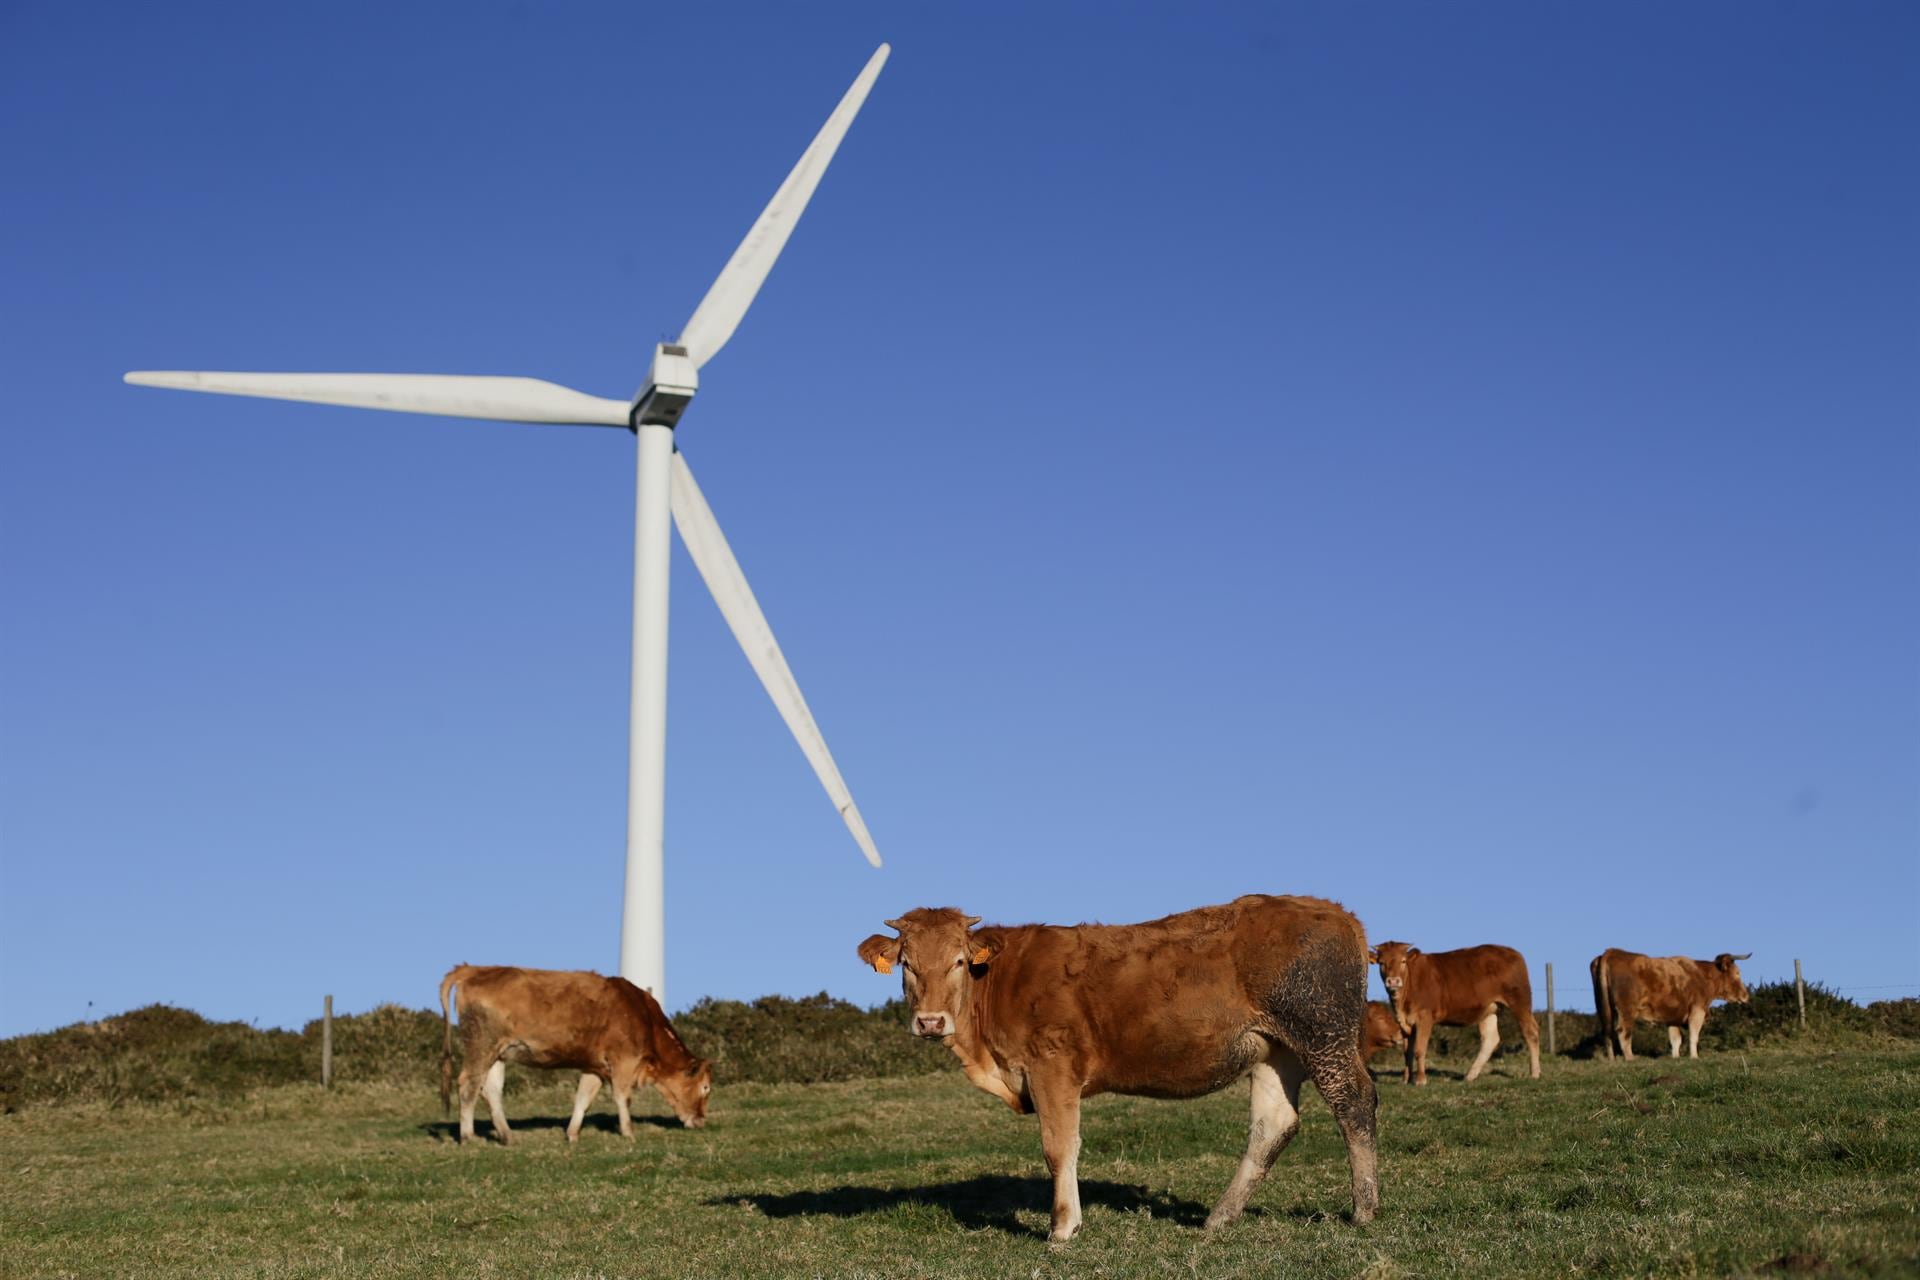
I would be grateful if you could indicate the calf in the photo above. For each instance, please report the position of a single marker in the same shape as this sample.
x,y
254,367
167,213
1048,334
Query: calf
x,y
1629,987
1457,989
1042,1016
1381,1031
605,1027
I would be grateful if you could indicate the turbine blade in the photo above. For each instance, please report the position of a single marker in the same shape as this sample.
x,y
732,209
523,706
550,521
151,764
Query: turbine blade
x,y
453,395
733,290
714,558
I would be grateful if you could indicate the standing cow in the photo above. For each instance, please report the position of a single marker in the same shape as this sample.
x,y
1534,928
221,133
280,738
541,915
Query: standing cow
x,y
1629,987
605,1027
1042,1016
1457,989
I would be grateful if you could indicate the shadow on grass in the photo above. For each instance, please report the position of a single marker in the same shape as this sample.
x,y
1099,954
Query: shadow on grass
x,y
449,1130
989,1200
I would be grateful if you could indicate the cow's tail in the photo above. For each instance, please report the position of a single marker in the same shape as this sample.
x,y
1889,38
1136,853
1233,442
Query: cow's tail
x,y
1603,1000
454,975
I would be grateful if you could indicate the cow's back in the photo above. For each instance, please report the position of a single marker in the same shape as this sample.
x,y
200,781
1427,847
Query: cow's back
x,y
1179,1006
550,1017
1460,986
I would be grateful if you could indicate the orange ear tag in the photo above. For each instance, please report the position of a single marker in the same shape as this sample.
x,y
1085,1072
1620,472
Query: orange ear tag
x,y
982,955
882,965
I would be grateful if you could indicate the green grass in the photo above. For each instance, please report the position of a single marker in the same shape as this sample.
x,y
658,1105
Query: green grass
x,y
1777,1161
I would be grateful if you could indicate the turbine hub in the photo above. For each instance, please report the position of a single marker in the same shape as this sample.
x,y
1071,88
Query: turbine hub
x,y
669,389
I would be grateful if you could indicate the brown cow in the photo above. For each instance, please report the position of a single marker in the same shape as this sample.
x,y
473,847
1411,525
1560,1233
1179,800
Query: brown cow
x,y
1457,989
1629,987
1042,1016
605,1027
1381,1031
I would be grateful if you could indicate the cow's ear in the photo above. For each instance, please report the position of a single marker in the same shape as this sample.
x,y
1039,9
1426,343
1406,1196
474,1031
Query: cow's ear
x,y
983,945
881,952
1412,952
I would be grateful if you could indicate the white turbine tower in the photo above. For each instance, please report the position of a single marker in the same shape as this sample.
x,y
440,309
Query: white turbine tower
x,y
663,483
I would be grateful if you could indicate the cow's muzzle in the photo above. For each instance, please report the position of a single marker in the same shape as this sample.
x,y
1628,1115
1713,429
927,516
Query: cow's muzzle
x,y
933,1026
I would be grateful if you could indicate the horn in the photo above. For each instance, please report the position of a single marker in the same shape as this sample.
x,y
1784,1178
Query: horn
x,y
971,920
1747,956
896,925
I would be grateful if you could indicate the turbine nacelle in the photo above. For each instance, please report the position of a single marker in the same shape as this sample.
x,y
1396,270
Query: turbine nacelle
x,y
669,388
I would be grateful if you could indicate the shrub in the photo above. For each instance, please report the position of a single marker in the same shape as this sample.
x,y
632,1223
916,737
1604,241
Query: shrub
x,y
154,1054
164,1054
806,1041
1897,1017
1774,1013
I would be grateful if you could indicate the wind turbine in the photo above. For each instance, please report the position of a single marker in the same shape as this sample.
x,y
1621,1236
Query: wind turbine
x,y
663,483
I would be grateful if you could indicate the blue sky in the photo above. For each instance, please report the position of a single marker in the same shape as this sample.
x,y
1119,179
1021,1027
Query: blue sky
x,y
1458,460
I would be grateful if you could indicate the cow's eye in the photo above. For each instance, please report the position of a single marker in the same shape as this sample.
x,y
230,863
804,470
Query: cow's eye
x,y
958,961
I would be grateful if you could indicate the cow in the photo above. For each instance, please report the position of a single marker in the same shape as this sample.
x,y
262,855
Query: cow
x,y
1381,1031
1041,1016
1629,987
607,1028
1457,989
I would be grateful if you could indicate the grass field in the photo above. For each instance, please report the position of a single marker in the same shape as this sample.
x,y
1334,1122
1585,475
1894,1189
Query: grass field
x,y
1764,1163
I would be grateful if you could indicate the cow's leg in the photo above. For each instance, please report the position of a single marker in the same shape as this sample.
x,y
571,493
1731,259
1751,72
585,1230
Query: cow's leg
x,y
622,1089
1342,1079
1625,1032
1695,1020
1417,1053
1673,1041
494,1090
1489,1041
1057,1098
469,1094
1530,1031
582,1099
1276,1118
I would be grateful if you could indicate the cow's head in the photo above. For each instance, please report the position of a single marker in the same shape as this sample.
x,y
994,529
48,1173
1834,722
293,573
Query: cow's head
x,y
687,1091
939,956
1732,987
1392,958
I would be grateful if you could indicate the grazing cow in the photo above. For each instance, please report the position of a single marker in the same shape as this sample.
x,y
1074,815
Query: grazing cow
x,y
1457,989
1629,987
1381,1031
605,1027
1042,1016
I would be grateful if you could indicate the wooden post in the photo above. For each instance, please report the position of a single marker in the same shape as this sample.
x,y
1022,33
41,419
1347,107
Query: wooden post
x,y
1800,990
1550,1049
326,1045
